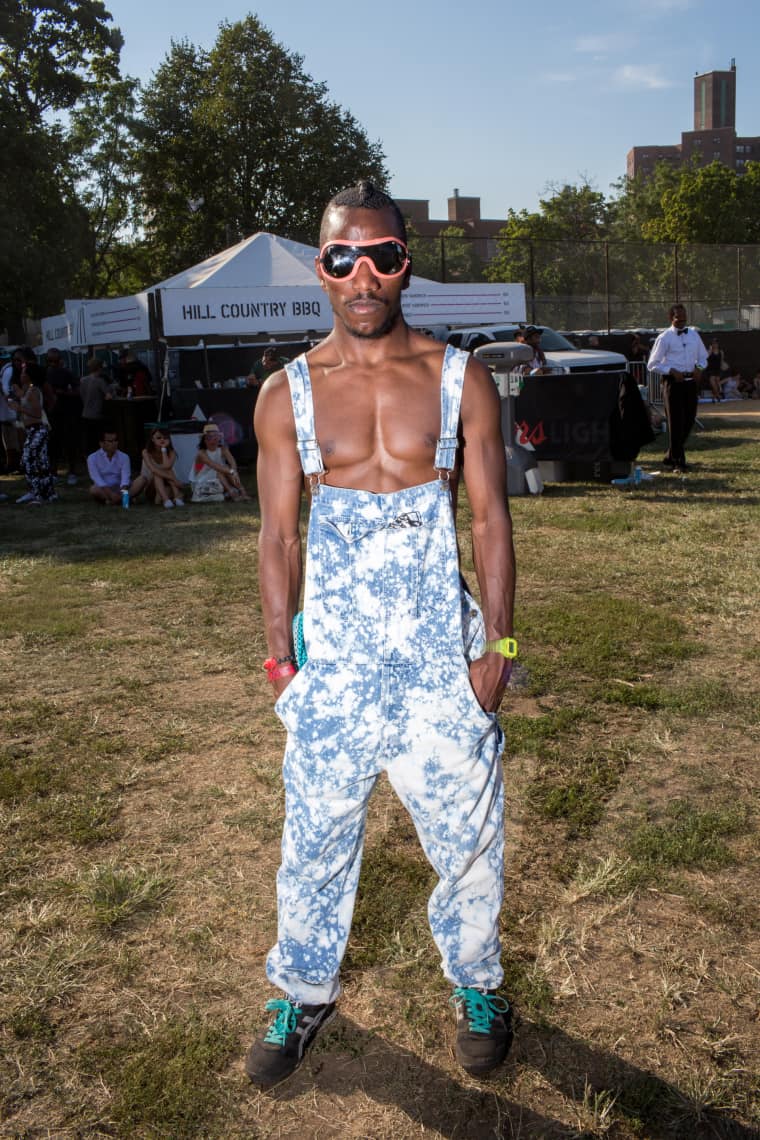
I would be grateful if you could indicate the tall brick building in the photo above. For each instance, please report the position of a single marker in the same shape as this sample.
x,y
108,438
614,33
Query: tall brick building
x,y
714,135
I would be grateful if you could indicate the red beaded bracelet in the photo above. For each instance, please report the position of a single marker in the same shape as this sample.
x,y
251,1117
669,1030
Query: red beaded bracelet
x,y
274,670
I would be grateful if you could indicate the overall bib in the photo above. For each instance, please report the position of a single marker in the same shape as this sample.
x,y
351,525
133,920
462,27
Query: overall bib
x,y
389,628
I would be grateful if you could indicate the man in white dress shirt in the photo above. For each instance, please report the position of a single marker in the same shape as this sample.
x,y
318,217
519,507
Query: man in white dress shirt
x,y
110,471
679,356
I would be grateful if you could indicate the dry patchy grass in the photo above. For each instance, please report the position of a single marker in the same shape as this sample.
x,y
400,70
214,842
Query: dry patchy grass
x,y
141,805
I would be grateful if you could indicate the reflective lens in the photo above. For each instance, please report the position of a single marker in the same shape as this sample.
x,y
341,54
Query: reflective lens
x,y
341,260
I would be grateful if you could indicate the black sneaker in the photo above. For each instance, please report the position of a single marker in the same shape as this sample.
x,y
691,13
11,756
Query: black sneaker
x,y
278,1052
484,1029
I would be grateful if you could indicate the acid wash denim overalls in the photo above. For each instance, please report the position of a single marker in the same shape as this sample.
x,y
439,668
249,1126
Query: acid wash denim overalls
x,y
389,629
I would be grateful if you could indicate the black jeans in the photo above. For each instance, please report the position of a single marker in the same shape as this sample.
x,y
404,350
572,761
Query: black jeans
x,y
680,400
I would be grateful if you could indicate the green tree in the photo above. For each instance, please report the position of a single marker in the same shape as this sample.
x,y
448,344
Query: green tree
x,y
52,52
52,55
449,255
558,253
101,144
426,253
43,227
702,206
241,139
638,202
687,221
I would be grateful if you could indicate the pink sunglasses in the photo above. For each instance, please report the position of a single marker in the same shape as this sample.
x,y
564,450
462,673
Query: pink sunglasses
x,y
388,257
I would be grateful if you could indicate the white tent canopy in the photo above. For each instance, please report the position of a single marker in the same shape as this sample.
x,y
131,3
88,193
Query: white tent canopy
x,y
268,284
261,259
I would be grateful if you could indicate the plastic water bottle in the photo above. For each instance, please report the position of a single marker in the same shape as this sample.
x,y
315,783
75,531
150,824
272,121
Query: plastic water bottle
x,y
125,498
637,475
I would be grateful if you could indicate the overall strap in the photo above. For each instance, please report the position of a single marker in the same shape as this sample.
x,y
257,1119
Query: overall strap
x,y
303,412
452,381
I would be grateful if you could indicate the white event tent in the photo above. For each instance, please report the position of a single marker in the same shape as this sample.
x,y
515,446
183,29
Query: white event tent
x,y
263,284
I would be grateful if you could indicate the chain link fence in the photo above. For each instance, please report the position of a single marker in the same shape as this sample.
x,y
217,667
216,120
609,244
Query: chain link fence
x,y
603,285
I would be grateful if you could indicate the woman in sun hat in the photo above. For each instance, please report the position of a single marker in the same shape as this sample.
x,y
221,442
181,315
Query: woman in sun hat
x,y
215,475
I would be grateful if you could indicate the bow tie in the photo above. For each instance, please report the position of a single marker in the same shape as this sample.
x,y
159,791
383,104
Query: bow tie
x,y
681,332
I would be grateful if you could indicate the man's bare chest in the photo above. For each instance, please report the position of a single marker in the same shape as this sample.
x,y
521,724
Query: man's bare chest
x,y
389,425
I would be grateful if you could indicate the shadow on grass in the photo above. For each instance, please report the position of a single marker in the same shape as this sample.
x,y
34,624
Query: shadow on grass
x,y
81,532
668,488
350,1058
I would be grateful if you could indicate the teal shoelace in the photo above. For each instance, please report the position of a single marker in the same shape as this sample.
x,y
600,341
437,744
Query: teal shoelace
x,y
481,1008
284,1023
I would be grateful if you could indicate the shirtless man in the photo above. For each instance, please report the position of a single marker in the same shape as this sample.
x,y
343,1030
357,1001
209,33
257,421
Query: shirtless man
x,y
400,676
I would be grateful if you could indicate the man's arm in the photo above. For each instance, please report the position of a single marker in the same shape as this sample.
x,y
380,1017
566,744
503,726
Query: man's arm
x,y
484,469
93,470
658,355
280,483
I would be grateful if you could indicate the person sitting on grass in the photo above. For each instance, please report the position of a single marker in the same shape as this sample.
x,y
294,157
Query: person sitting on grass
x,y
730,387
215,475
157,475
110,471
747,387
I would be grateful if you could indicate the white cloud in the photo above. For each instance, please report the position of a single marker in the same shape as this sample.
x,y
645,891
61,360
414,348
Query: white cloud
x,y
599,45
643,76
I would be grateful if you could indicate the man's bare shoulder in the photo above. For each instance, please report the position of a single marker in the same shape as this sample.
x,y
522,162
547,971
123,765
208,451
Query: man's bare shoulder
x,y
274,410
478,377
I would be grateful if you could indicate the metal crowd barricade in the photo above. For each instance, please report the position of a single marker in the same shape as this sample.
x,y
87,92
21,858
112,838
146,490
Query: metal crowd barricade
x,y
646,379
654,387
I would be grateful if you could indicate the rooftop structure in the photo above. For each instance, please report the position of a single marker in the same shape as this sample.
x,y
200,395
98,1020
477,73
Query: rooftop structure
x,y
714,135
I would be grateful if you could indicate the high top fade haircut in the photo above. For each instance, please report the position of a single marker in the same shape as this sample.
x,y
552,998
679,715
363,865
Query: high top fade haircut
x,y
363,196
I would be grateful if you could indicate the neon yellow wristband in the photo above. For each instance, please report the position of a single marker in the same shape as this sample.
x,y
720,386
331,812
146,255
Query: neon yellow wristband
x,y
506,646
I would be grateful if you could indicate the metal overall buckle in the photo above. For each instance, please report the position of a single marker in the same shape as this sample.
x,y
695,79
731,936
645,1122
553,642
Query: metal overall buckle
x,y
315,481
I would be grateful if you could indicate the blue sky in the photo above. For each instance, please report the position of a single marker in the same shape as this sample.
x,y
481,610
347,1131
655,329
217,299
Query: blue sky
x,y
498,99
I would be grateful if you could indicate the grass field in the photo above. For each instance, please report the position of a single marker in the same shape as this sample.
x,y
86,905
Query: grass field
x,y
141,806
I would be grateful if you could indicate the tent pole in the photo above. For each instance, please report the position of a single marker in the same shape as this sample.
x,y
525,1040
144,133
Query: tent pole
x,y
155,325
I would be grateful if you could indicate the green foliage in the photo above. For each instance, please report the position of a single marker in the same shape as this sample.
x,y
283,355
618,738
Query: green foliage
x,y
117,894
703,206
41,217
52,56
528,735
686,837
527,984
577,798
579,249
166,1083
595,633
390,906
51,53
32,1024
698,698
102,147
240,139
570,214
449,256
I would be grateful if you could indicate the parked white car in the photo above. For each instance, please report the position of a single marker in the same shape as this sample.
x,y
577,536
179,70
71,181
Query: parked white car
x,y
560,353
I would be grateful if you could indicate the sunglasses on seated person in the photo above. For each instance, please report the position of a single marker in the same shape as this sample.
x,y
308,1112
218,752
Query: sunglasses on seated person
x,y
340,260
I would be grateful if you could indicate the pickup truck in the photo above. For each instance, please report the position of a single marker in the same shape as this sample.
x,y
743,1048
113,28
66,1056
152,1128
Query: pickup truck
x,y
560,353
